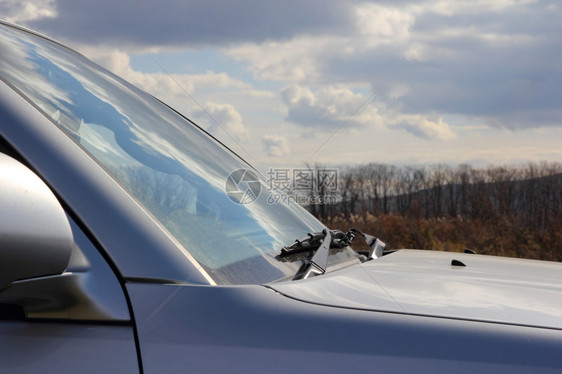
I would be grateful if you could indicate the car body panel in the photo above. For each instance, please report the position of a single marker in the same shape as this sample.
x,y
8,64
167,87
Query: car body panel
x,y
252,329
486,288
41,347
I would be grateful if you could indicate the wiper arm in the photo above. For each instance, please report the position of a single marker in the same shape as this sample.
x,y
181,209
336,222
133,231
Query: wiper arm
x,y
320,243
319,262
376,245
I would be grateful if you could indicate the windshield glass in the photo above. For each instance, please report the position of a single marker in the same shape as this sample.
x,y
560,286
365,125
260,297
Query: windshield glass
x,y
175,170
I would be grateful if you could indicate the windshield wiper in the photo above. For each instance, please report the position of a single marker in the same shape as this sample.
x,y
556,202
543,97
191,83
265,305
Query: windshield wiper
x,y
319,262
312,241
320,243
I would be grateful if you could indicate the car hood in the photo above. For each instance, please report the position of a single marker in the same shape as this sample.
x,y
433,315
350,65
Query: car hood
x,y
443,284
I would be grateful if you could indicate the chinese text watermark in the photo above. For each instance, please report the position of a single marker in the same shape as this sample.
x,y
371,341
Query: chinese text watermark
x,y
304,186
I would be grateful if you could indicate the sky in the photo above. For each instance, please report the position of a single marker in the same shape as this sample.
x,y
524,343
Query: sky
x,y
290,83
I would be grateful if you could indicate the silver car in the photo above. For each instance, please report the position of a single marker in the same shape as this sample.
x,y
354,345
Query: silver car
x,y
132,241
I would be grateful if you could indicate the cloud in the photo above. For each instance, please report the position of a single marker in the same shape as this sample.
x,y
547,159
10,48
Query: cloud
x,y
215,117
328,107
381,23
330,58
333,57
119,63
293,60
473,58
496,64
159,84
526,119
191,23
471,7
488,65
342,108
424,127
182,91
477,59
18,11
275,146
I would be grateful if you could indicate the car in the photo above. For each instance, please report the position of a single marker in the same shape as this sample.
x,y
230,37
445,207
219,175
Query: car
x,y
132,241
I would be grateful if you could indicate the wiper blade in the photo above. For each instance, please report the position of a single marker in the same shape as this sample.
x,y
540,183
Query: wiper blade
x,y
312,241
309,243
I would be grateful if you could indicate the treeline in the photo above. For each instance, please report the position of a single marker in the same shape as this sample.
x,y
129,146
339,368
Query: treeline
x,y
504,210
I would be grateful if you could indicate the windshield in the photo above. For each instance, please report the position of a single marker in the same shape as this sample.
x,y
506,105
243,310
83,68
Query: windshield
x,y
210,200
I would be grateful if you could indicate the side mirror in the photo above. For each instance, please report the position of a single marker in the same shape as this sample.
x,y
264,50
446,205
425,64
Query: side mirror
x,y
35,235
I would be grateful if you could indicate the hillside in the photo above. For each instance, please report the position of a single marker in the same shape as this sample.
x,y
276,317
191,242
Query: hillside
x,y
510,211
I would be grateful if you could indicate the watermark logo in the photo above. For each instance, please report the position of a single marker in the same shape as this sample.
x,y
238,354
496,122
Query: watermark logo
x,y
286,186
303,180
242,186
283,198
